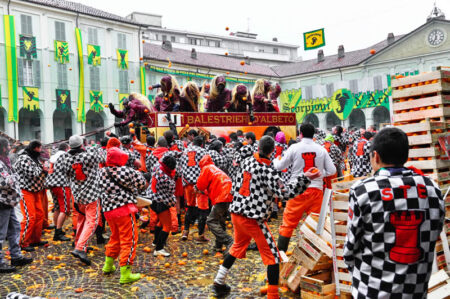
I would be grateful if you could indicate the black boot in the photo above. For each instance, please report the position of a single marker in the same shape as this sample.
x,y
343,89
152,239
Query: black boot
x,y
99,235
60,236
22,261
81,255
283,243
221,290
4,268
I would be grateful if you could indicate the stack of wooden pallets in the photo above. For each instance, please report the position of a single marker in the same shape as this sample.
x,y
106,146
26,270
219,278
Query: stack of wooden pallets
x,y
421,106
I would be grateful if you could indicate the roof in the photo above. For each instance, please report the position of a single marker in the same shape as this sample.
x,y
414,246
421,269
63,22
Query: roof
x,y
351,58
181,56
83,9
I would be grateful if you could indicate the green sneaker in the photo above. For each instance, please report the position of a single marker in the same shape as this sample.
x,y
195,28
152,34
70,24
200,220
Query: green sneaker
x,y
109,265
126,276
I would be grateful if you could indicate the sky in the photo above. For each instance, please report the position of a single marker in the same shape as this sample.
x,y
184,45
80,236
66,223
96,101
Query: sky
x,y
356,24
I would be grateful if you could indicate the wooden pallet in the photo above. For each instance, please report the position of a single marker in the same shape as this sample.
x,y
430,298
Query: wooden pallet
x,y
439,285
317,285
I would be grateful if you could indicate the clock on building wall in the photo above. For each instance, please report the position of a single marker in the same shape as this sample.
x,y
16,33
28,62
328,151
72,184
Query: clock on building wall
x,y
436,37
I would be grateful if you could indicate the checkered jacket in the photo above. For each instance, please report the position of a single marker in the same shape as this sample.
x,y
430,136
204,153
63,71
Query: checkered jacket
x,y
245,152
133,155
31,174
395,218
334,152
10,193
82,171
189,164
228,153
219,159
56,176
341,142
256,186
128,184
360,158
162,187
279,150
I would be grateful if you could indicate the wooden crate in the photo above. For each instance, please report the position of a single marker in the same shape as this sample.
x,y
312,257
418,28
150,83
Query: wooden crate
x,y
318,285
439,285
420,84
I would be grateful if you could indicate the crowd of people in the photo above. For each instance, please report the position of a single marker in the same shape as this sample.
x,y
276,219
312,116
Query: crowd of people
x,y
209,180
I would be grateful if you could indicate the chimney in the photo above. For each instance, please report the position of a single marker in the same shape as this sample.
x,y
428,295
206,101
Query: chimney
x,y
390,38
320,56
274,39
167,46
341,52
193,54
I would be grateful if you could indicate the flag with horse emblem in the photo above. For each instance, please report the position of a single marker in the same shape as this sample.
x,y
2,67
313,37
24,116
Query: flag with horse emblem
x,y
28,46
94,57
96,100
122,59
122,97
30,98
61,51
63,100
314,39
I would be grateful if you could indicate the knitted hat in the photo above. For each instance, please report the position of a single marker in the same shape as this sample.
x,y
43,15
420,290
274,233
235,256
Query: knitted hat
x,y
280,137
116,157
75,141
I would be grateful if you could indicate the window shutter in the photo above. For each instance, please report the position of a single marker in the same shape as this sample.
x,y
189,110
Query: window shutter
x,y
377,83
37,73
354,86
62,76
330,89
26,25
20,71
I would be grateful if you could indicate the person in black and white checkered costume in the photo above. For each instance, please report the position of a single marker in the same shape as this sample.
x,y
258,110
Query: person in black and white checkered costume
x,y
162,193
81,166
360,156
119,185
395,218
10,195
219,159
257,185
334,152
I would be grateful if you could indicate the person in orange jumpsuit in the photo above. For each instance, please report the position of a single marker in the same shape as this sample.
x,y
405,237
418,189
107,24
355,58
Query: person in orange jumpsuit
x,y
256,187
32,178
120,185
217,185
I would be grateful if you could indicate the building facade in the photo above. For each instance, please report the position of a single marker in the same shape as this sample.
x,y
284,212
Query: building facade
x,y
54,96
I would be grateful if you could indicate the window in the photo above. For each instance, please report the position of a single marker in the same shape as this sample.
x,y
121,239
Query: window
x,y
60,31
164,38
308,93
123,82
121,41
377,83
330,89
95,78
62,76
214,43
93,36
172,39
156,37
193,41
354,86
26,24
275,50
261,50
28,73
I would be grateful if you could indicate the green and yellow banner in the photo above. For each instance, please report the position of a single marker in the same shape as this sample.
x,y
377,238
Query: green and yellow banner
x,y
27,46
122,59
30,98
61,51
143,86
81,115
314,39
63,100
11,67
342,103
96,100
122,97
94,57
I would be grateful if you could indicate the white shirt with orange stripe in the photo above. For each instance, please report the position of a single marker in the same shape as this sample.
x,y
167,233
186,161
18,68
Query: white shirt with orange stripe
x,y
303,156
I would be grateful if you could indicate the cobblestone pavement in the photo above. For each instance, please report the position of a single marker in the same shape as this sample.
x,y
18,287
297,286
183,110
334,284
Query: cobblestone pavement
x,y
163,277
